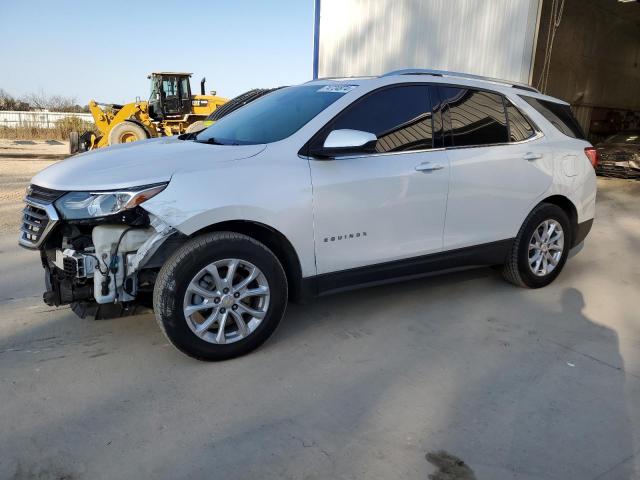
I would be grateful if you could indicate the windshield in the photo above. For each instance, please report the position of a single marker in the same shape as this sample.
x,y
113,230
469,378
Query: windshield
x,y
632,138
274,116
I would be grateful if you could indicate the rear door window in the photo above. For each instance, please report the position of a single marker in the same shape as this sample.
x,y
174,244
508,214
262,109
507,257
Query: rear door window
x,y
399,116
559,115
473,117
519,127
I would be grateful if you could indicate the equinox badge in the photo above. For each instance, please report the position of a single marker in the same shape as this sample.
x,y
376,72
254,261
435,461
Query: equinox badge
x,y
346,236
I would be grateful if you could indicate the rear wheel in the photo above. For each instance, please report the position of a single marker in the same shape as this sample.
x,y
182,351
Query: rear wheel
x,y
73,142
86,141
126,132
220,296
540,250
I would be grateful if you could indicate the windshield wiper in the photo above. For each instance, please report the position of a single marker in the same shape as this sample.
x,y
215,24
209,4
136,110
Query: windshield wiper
x,y
188,136
210,141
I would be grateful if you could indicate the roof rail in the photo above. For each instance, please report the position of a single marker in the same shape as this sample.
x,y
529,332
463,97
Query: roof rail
x,y
342,77
445,73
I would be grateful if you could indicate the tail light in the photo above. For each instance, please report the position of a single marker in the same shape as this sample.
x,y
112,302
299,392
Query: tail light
x,y
592,155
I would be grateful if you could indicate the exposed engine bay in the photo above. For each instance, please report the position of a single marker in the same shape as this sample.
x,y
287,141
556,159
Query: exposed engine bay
x,y
89,263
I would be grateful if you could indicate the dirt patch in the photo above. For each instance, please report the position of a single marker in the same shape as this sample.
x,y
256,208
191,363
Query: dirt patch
x,y
10,148
14,178
449,467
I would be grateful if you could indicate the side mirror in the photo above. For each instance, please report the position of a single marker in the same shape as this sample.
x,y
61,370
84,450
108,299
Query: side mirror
x,y
346,141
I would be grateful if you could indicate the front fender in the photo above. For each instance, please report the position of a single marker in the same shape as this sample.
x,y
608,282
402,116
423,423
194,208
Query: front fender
x,y
277,194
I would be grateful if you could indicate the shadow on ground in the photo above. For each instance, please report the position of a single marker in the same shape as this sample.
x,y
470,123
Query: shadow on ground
x,y
358,385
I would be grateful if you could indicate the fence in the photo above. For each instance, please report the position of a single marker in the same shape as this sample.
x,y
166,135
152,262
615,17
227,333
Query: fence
x,y
37,119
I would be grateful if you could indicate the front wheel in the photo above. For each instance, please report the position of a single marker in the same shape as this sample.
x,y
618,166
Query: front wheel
x,y
541,248
221,295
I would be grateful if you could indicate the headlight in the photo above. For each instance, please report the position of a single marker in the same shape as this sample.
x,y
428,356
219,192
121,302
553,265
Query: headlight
x,y
80,205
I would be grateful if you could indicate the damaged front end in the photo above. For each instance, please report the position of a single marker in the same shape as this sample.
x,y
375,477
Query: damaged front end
x,y
97,248
621,162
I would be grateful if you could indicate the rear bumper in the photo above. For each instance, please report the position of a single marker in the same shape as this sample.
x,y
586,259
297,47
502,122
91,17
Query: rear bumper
x,y
582,231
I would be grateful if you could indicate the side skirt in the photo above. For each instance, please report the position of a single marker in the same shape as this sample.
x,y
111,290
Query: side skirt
x,y
487,254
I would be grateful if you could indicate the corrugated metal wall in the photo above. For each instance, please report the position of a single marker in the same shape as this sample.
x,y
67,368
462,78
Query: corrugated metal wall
x,y
369,37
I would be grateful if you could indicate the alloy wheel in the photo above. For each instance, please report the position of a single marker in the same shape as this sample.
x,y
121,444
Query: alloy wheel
x,y
226,301
546,247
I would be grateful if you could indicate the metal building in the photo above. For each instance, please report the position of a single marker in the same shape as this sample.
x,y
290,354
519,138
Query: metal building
x,y
493,38
586,52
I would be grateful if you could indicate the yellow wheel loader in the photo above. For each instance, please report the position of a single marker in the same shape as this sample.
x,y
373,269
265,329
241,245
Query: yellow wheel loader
x,y
171,110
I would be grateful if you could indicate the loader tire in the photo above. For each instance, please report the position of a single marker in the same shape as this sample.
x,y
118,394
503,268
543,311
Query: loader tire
x,y
73,143
195,127
86,141
126,132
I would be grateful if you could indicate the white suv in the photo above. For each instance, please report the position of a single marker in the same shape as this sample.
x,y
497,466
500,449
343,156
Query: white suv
x,y
313,189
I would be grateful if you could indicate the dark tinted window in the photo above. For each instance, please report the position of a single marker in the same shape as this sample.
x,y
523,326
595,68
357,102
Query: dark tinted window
x,y
438,118
398,116
559,115
473,117
519,127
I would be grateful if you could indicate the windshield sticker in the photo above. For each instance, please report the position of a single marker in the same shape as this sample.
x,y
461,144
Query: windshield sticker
x,y
337,88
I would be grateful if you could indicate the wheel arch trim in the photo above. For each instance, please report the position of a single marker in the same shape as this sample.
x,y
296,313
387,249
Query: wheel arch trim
x,y
271,237
569,207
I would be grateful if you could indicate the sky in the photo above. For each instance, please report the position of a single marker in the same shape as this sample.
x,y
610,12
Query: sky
x,y
104,50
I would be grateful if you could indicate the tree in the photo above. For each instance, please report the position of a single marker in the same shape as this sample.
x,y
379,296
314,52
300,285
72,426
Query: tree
x,y
54,103
8,102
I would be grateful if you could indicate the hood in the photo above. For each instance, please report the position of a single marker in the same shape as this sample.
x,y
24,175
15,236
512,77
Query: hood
x,y
138,163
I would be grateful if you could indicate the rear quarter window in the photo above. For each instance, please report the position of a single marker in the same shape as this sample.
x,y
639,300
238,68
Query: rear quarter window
x,y
559,115
519,127
474,117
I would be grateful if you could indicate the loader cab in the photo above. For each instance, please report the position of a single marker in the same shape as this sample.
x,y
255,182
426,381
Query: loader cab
x,y
170,95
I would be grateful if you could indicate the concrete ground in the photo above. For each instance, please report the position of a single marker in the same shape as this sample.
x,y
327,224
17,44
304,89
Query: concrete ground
x,y
518,384
39,149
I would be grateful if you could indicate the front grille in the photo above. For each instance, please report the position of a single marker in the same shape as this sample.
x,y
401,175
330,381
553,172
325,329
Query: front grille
x,y
34,222
614,157
610,169
43,195
37,221
39,216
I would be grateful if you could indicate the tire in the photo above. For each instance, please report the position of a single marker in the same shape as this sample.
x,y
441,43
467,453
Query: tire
x,y
126,132
517,268
175,283
195,127
74,143
86,141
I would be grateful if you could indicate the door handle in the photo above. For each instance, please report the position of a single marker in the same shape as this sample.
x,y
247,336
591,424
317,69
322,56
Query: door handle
x,y
429,167
532,156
